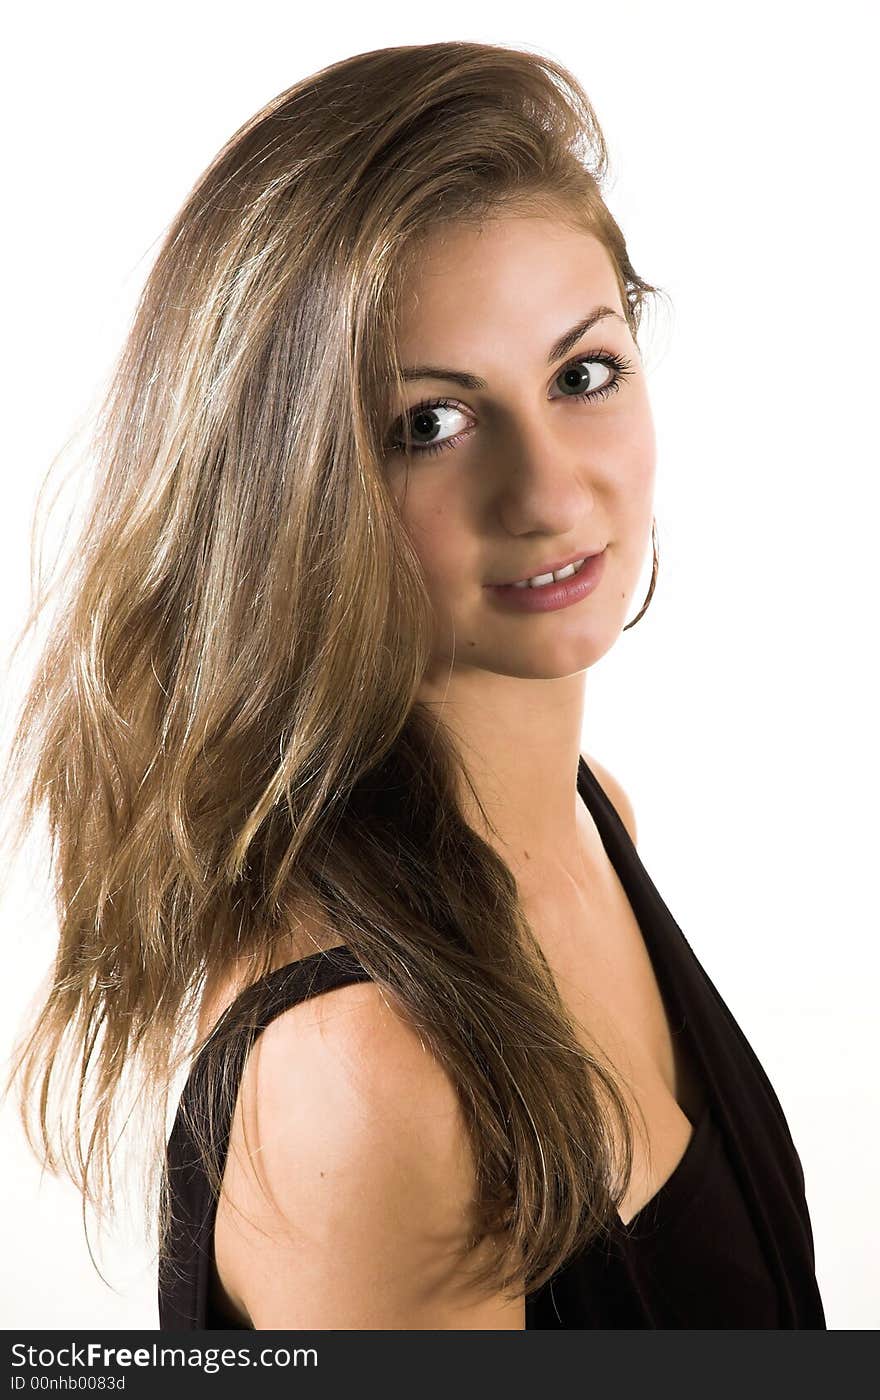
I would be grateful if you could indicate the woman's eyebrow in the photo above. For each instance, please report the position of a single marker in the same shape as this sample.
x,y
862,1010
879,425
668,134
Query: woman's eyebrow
x,y
558,350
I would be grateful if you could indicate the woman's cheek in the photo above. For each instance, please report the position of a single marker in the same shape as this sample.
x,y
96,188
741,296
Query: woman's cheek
x,y
440,540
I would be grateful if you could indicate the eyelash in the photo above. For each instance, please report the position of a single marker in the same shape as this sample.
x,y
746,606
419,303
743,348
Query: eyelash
x,y
618,363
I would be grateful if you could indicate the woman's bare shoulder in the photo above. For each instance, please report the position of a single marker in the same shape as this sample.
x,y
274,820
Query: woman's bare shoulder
x,y
350,1187
615,793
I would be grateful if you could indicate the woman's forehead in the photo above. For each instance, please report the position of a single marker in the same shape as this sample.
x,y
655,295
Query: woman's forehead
x,y
530,277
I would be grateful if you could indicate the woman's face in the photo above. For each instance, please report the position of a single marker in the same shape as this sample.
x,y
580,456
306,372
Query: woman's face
x,y
524,472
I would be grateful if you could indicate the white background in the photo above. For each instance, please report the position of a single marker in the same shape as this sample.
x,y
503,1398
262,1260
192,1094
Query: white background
x,y
736,714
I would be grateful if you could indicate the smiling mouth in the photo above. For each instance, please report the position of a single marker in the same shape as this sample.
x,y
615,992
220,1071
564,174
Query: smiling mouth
x,y
556,573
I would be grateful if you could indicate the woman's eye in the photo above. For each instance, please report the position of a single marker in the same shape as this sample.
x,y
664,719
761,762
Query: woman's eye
x,y
586,376
428,423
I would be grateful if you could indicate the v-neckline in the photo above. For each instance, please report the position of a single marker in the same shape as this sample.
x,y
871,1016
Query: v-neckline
x,y
615,839
634,881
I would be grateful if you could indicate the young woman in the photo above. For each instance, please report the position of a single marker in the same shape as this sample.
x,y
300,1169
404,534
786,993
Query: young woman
x,y
375,493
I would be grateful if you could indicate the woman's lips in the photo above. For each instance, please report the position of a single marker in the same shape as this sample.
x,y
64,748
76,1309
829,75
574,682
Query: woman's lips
x,y
549,597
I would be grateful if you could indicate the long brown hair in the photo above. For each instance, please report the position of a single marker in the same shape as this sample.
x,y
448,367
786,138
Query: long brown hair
x,y
223,726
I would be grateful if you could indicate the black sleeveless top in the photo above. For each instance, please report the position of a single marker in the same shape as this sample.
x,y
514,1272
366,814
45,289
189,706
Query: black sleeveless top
x,y
726,1242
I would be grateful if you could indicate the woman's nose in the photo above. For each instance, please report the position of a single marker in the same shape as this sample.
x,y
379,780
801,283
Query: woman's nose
x,y
542,478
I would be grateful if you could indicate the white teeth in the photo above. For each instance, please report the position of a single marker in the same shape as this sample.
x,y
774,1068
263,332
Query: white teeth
x,y
540,580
